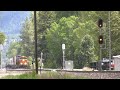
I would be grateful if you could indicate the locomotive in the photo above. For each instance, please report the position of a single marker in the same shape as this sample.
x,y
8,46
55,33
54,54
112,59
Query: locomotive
x,y
21,62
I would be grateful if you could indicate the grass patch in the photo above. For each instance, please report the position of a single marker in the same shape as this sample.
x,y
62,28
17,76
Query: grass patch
x,y
55,75
47,75
22,76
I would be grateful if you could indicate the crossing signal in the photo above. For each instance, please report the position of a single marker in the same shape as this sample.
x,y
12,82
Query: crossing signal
x,y
100,39
100,23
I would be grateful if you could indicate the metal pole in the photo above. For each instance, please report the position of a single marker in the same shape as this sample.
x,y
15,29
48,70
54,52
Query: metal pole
x,y
36,61
109,41
41,62
63,59
100,53
100,57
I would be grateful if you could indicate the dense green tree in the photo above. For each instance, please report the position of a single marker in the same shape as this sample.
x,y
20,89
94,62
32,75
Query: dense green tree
x,y
44,20
60,14
69,27
13,50
2,38
87,50
27,38
70,32
114,27
115,32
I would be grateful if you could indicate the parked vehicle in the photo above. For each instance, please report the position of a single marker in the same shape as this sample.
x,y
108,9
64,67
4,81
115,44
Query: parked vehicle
x,y
104,65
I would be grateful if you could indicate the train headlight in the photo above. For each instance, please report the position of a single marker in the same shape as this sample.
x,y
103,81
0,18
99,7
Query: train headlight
x,y
25,63
21,63
102,63
23,60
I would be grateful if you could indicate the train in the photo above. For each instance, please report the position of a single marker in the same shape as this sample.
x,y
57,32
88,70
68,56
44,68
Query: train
x,y
19,62
22,60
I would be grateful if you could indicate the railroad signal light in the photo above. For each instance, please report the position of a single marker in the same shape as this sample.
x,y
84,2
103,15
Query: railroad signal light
x,y
100,39
100,23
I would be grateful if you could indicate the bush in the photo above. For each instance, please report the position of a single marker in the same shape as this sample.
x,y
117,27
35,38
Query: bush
x,y
50,64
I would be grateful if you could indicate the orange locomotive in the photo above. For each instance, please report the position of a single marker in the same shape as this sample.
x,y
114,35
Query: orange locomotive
x,y
22,60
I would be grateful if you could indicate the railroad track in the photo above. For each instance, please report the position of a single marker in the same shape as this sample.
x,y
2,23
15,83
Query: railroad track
x,y
89,74
61,70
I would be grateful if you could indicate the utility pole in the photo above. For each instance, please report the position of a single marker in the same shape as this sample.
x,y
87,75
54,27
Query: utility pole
x,y
35,28
100,54
63,49
109,40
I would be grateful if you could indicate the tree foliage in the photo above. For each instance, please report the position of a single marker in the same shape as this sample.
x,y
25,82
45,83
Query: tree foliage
x,y
70,32
27,36
78,30
44,20
13,50
115,32
2,38
87,50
